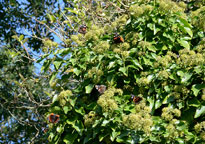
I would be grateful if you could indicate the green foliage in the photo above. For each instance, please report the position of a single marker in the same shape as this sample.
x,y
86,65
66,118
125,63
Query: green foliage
x,y
162,60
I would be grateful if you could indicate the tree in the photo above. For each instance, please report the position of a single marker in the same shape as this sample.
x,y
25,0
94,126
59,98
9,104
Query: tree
x,y
23,93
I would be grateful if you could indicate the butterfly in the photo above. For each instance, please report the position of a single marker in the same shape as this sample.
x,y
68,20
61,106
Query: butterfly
x,y
136,99
53,118
101,88
118,39
82,29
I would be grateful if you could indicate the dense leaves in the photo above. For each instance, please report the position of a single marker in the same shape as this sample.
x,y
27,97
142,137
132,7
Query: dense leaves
x,y
161,61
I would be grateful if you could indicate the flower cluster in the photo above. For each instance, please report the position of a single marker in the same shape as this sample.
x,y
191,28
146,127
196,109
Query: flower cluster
x,y
189,58
203,95
143,81
163,61
63,97
144,45
49,44
107,101
95,74
170,6
90,118
132,37
168,113
141,120
173,131
137,10
101,47
120,23
198,18
200,128
78,39
94,33
163,75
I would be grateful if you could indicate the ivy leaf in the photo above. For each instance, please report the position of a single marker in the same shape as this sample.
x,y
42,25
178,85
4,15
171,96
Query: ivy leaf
x,y
57,64
183,43
194,102
158,103
189,31
184,76
168,99
66,109
21,37
123,70
114,135
136,63
184,22
102,136
55,98
70,137
199,112
76,71
80,110
197,87
89,88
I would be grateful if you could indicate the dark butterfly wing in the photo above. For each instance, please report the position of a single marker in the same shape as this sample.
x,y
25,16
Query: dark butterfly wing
x,y
136,99
82,29
121,39
101,88
118,39
57,117
53,118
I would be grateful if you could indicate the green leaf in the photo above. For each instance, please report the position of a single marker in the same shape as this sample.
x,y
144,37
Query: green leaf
x,y
102,136
46,65
123,70
184,76
89,88
194,102
183,43
52,78
52,18
55,98
59,129
158,103
70,137
105,122
199,112
76,71
184,22
136,63
114,134
111,64
72,10
57,64
56,109
197,87
152,48
189,31
66,109
168,99
87,138
21,37
80,110
79,126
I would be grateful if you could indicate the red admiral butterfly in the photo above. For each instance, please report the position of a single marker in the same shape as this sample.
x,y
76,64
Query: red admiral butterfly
x,y
101,88
118,39
82,29
53,118
136,99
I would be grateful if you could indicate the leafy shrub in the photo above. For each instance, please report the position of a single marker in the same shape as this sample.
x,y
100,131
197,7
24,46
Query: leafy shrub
x,y
162,60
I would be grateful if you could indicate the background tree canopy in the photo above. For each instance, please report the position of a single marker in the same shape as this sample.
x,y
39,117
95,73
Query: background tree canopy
x,y
135,73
